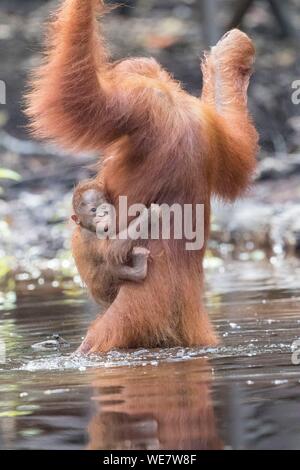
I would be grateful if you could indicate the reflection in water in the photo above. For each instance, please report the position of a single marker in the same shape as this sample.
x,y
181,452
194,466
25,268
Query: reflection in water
x,y
242,395
163,407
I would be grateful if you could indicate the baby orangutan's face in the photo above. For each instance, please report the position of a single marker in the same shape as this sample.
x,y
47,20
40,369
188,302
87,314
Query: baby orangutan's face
x,y
103,219
86,210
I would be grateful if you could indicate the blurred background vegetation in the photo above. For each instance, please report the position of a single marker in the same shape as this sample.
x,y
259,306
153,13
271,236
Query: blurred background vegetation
x,y
36,180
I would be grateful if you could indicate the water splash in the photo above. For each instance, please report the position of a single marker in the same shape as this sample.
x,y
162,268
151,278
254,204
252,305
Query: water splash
x,y
145,357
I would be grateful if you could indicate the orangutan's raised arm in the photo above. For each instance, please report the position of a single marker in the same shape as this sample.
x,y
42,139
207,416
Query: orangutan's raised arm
x,y
231,135
71,99
80,100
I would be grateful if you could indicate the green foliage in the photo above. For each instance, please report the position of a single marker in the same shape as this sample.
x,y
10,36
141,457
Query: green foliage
x,y
7,174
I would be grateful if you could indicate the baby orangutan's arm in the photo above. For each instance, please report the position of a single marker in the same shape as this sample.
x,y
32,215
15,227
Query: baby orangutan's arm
x,y
119,250
103,280
138,271
113,259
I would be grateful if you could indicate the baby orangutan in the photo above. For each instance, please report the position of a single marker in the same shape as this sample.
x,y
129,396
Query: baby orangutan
x,y
113,260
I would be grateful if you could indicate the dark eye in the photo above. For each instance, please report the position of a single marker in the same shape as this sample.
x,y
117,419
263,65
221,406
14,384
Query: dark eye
x,y
93,209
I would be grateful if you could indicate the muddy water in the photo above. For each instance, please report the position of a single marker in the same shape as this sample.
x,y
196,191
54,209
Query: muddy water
x,y
243,394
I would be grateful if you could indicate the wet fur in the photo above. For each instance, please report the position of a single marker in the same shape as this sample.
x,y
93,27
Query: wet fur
x,y
167,147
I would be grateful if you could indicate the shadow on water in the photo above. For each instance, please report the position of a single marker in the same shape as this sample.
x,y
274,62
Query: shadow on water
x,y
243,394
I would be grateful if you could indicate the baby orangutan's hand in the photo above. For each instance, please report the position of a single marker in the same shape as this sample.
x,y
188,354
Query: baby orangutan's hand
x,y
140,257
118,251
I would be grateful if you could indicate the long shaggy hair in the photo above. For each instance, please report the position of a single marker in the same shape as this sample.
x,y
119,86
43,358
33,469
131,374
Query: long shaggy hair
x,y
167,147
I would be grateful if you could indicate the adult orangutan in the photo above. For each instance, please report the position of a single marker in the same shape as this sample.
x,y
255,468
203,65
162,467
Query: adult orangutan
x,y
166,146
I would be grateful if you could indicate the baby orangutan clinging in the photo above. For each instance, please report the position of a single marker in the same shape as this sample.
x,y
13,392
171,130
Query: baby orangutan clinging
x,y
110,261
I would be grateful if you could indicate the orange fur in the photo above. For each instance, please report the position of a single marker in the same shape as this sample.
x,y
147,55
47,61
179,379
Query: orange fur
x,y
90,262
167,147
90,253
101,263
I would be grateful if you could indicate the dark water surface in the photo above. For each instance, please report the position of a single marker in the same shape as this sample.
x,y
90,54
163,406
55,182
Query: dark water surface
x,y
243,394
